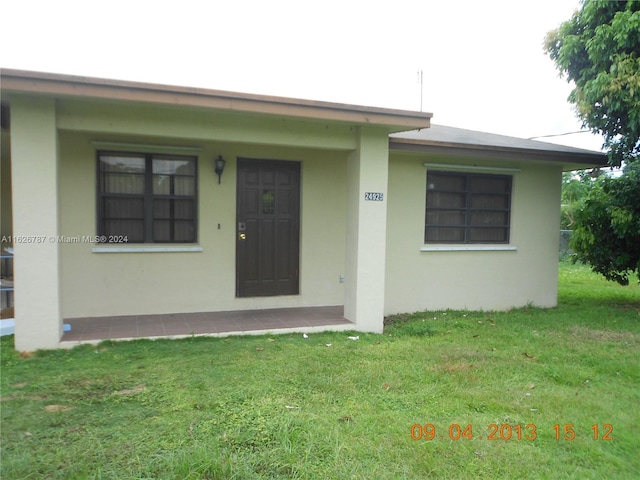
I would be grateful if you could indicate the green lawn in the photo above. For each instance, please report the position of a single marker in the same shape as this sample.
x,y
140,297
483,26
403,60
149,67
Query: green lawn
x,y
205,408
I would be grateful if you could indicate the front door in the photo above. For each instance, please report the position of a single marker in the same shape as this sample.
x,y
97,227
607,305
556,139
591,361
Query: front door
x,y
268,234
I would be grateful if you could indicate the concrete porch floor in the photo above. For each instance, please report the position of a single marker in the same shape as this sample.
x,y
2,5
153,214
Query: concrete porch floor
x,y
280,320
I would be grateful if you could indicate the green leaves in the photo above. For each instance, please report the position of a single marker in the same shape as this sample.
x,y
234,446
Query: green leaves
x,y
574,191
598,49
607,231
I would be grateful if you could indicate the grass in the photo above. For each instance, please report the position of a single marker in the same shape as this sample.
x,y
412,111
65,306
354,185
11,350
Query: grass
x,y
209,408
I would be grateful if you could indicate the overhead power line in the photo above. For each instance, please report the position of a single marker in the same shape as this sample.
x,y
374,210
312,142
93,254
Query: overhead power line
x,y
559,134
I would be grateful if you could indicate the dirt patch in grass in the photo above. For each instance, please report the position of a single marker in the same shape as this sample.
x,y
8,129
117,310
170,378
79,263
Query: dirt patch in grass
x,y
453,367
627,338
57,408
398,319
131,391
463,354
634,307
9,398
459,360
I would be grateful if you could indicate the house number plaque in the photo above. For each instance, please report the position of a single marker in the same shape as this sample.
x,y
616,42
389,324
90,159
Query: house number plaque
x,y
374,196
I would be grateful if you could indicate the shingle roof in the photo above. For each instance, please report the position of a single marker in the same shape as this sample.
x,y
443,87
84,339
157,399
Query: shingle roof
x,y
451,135
443,139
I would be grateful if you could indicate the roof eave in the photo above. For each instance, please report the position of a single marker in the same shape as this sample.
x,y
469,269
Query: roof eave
x,y
568,160
57,85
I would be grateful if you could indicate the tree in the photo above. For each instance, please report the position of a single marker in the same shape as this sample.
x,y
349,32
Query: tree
x,y
598,50
607,226
575,188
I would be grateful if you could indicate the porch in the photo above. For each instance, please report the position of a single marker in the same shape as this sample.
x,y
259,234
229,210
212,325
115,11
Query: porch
x,y
280,320
71,162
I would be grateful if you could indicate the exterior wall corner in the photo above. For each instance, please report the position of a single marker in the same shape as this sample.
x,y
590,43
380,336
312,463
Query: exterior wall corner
x,y
34,161
367,172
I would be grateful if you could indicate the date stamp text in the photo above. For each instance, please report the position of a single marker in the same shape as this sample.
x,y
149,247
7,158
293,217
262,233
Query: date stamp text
x,y
506,432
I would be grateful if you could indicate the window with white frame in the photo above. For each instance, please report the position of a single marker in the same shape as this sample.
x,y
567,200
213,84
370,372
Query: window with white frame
x,y
147,198
467,208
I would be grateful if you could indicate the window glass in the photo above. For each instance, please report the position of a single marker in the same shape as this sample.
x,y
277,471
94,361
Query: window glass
x,y
445,217
452,182
123,208
490,201
488,183
161,185
446,200
165,212
123,183
488,235
467,208
444,235
184,186
173,167
132,229
122,164
268,203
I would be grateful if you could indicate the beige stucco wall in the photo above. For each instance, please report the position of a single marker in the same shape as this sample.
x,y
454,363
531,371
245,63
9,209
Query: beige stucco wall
x,y
341,234
6,221
475,280
367,171
106,284
34,172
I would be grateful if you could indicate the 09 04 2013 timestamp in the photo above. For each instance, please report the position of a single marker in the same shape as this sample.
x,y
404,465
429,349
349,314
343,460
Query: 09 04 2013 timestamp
x,y
506,432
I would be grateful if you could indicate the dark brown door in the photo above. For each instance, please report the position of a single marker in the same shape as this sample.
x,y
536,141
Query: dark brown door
x,y
267,229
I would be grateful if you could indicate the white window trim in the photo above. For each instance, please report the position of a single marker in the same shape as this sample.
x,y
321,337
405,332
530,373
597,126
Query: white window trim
x,y
145,249
466,247
469,248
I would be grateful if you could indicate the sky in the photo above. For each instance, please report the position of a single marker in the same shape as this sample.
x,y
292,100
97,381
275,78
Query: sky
x,y
483,62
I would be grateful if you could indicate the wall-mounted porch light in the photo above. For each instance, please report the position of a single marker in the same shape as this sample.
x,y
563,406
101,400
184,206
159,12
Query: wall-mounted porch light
x,y
219,166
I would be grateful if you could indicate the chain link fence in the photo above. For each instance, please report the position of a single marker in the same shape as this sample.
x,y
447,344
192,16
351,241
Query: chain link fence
x,y
565,239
